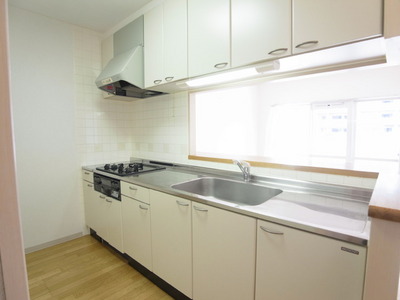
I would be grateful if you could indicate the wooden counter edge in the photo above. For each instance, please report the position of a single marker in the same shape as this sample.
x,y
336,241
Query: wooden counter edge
x,y
385,200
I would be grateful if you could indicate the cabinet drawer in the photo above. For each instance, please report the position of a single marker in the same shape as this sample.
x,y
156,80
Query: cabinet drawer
x,y
135,191
87,175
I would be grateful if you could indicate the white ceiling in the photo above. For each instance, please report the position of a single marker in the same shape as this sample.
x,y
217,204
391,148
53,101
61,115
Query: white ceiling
x,y
98,15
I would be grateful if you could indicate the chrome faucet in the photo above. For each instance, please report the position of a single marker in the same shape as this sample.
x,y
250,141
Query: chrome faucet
x,y
244,167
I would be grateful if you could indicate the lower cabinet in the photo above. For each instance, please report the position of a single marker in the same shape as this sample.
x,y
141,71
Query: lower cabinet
x,y
171,235
108,224
224,254
90,197
292,265
137,231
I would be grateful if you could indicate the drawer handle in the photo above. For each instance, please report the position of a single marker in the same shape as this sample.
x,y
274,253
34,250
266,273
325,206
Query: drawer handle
x,y
143,207
182,203
278,51
89,185
200,209
270,231
307,44
102,197
221,65
87,173
169,78
132,188
109,201
158,81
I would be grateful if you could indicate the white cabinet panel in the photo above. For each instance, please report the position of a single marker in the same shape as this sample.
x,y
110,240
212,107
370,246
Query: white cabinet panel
x,y
208,36
165,36
223,254
324,23
299,265
171,229
90,197
114,226
175,40
136,231
261,29
153,46
135,191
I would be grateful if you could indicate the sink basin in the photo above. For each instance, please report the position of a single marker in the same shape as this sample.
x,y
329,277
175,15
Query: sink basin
x,y
228,190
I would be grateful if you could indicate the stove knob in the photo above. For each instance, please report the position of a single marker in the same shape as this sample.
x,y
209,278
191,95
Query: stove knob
x,y
120,168
107,167
114,167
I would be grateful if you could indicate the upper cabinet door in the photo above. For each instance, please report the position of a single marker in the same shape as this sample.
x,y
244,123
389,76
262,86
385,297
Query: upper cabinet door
x,y
261,29
165,42
208,36
153,46
175,40
324,23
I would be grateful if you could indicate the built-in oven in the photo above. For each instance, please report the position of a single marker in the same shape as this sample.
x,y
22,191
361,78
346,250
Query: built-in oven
x,y
108,186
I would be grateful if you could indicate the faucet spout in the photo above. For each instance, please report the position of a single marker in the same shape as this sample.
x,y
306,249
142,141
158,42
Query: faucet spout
x,y
244,167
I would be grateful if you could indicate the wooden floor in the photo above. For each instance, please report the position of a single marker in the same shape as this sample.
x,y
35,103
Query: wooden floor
x,y
86,269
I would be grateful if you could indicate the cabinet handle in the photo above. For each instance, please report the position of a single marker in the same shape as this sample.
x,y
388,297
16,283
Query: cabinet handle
x,y
89,185
182,203
278,51
221,65
158,81
143,207
87,173
169,78
270,231
307,44
200,209
132,188
102,197
109,201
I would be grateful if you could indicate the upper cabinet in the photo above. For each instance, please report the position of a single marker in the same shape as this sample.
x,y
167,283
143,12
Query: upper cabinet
x,y
325,23
165,43
261,29
208,36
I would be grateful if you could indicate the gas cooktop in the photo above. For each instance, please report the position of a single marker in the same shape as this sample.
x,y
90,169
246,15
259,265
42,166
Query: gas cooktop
x,y
127,169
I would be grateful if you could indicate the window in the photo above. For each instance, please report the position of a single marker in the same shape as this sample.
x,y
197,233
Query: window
x,y
240,123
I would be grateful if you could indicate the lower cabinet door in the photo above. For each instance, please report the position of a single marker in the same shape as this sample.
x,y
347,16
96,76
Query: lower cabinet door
x,y
136,231
171,229
293,264
224,253
90,197
114,226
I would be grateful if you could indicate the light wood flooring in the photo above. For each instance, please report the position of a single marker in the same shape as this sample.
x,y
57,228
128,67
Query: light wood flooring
x,y
85,269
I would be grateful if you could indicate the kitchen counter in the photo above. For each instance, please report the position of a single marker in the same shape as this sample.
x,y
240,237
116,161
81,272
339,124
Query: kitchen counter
x,y
330,210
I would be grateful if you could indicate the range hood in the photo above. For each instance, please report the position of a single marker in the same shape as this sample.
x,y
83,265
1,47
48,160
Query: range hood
x,y
124,75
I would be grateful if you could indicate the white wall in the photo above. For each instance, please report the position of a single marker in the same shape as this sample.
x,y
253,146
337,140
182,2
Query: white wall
x,y
41,54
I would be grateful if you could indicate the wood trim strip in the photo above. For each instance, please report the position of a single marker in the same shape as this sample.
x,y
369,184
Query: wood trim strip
x,y
343,172
384,213
385,200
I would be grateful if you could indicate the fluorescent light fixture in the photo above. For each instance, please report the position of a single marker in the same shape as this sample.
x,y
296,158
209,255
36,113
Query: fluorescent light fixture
x,y
340,55
364,53
234,75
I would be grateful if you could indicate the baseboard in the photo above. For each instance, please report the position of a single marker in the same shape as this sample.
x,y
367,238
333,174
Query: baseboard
x,y
52,243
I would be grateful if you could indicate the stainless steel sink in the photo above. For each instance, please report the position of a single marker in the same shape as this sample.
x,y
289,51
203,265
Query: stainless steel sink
x,y
228,190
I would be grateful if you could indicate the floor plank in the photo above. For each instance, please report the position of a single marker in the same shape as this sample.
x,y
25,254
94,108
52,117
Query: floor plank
x,y
85,269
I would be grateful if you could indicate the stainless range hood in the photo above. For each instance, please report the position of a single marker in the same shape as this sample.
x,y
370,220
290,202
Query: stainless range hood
x,y
124,74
